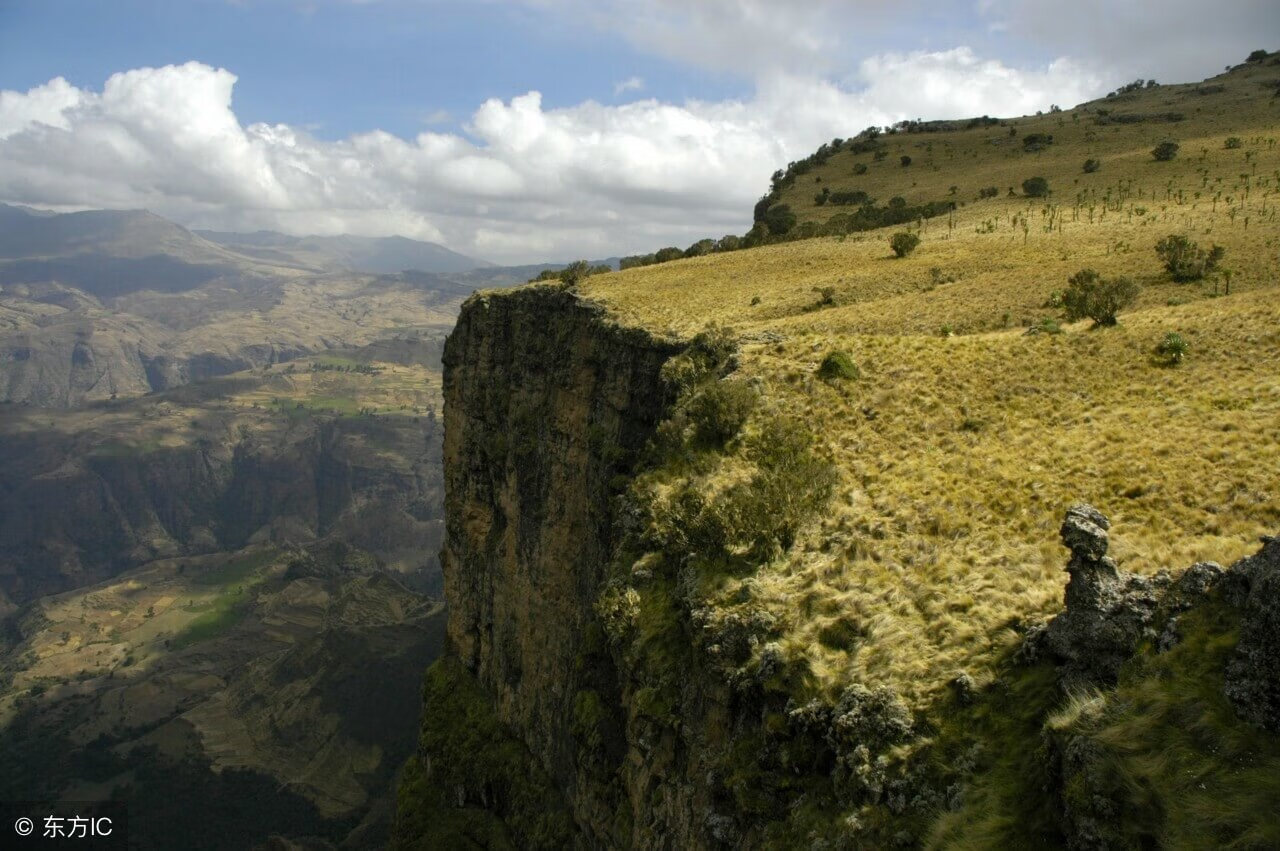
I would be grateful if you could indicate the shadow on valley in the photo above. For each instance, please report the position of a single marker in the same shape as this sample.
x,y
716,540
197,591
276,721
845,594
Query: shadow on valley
x,y
105,276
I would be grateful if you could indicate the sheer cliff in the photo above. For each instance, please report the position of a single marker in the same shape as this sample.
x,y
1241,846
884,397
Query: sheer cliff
x,y
620,675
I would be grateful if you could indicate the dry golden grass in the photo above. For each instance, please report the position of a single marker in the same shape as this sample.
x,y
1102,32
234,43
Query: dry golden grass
x,y
959,454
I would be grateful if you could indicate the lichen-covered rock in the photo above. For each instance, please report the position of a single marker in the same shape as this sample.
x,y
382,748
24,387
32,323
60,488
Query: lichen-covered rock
x,y
1192,587
864,725
1108,611
1084,531
1253,675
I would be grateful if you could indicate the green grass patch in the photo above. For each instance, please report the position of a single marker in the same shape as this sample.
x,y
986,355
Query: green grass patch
x,y
236,570
1006,804
224,613
126,448
337,404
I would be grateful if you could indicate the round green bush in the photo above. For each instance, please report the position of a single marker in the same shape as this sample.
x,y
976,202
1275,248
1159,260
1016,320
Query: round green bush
x,y
903,243
838,366
719,412
1035,187
1165,151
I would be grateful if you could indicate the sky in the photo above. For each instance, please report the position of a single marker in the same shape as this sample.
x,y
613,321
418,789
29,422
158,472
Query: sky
x,y
531,130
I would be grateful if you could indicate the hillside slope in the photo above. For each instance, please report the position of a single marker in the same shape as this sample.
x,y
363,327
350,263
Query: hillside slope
x,y
814,614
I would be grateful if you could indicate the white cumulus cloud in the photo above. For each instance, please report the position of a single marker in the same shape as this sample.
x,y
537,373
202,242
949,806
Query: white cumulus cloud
x,y
524,182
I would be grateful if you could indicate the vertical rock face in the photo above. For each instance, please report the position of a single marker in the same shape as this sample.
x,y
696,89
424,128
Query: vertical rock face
x,y
546,404
1253,676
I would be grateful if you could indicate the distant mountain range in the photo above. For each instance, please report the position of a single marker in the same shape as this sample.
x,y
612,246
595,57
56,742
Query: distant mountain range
x,y
107,303
379,255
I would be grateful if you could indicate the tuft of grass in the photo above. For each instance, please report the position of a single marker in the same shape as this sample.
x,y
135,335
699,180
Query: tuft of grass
x,y
838,366
1005,804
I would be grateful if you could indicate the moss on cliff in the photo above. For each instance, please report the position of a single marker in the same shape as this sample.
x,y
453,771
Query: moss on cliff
x,y
472,784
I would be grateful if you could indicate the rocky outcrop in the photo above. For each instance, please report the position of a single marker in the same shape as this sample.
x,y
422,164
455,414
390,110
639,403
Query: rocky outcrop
x,y
1108,611
1253,675
1144,656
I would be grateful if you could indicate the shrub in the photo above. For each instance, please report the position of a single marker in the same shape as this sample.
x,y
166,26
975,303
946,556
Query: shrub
x,y
850,197
762,207
779,219
1092,165
719,412
575,272
1033,142
790,486
897,202
1046,325
1173,348
1257,56
989,192
1091,296
664,255
903,243
838,366
860,168
1165,151
1186,261
701,247
635,260
1035,187
1233,142
905,160
729,242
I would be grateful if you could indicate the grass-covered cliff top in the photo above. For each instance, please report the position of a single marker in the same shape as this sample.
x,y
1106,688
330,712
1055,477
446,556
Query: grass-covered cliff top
x,y
963,439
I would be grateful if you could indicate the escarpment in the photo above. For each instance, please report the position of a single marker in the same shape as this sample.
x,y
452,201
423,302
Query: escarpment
x,y
77,507
619,677
547,404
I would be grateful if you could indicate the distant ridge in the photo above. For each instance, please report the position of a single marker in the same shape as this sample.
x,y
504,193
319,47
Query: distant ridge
x,y
378,255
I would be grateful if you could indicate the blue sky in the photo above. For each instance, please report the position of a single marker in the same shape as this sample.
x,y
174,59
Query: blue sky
x,y
344,67
502,128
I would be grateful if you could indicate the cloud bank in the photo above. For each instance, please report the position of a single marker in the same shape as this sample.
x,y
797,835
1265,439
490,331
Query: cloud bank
x,y
525,182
